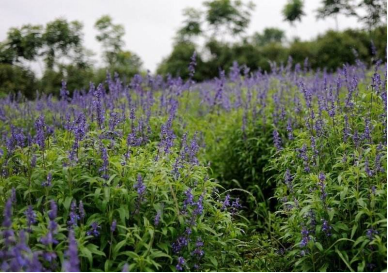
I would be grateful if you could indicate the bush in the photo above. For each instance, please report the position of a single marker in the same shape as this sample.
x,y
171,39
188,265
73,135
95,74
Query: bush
x,y
14,79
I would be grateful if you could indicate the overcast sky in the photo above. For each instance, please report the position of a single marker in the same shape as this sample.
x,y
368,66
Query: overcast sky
x,y
151,24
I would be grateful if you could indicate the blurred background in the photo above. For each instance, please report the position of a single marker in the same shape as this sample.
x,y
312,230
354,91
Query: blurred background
x,y
46,41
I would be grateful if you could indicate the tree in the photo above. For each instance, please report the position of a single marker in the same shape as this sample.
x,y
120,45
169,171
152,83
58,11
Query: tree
x,y
7,54
376,12
25,42
293,11
61,39
14,78
111,37
192,25
269,35
334,8
228,16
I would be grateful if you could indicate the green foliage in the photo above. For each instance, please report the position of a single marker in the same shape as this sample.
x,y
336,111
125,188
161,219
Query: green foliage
x,y
328,51
269,36
293,11
15,79
25,42
234,16
334,8
111,37
376,12
192,25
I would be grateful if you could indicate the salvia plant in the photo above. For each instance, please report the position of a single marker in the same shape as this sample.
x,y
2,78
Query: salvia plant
x,y
253,171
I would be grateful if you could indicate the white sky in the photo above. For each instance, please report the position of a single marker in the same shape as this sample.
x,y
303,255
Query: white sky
x,y
150,25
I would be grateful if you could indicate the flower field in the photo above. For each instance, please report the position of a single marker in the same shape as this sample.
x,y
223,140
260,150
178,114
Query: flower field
x,y
251,171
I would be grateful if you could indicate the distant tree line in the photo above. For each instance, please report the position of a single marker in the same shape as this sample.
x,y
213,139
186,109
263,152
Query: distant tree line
x,y
221,24
58,49
217,32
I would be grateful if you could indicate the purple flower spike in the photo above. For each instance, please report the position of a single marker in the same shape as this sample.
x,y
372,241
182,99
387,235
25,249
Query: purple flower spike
x,y
71,264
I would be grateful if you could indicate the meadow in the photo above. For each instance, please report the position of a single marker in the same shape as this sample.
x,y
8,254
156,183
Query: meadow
x,y
250,171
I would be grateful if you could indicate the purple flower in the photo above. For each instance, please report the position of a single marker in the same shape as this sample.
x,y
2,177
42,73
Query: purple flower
x,y
157,218
40,132
367,134
81,210
303,155
199,206
289,130
179,244
71,264
326,228
53,210
33,161
193,64
99,106
139,186
181,263
189,200
125,268
105,163
226,202
31,217
277,140
370,233
305,237
8,233
368,171
94,227
288,180
74,217
322,185
198,251
47,183
113,226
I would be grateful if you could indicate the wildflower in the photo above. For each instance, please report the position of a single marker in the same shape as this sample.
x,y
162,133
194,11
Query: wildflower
x,y
140,187
52,227
326,228
113,226
105,163
277,140
226,202
288,180
289,130
157,218
192,65
322,185
8,233
98,105
74,217
198,251
71,264
181,263
48,181
370,233
33,161
367,134
179,244
81,210
94,230
189,199
125,268
40,132
305,237
31,217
